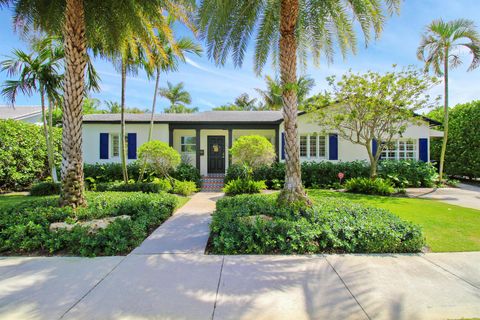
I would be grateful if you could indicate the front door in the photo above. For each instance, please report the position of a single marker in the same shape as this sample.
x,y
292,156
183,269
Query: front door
x,y
216,154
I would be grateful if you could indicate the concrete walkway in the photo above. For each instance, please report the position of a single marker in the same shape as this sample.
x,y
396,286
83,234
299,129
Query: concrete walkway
x,y
169,277
465,195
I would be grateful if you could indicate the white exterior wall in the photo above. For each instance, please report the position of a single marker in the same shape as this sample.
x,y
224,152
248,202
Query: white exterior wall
x,y
348,151
91,138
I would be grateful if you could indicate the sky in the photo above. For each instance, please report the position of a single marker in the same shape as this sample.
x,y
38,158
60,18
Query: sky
x,y
211,85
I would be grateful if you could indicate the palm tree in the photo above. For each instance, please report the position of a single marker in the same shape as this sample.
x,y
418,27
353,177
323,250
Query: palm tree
x,y
245,103
86,24
287,28
178,98
38,72
272,96
440,50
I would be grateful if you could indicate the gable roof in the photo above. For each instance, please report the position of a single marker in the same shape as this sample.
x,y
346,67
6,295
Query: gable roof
x,y
19,112
199,117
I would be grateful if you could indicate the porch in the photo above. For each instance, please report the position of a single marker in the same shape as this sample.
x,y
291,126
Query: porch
x,y
206,146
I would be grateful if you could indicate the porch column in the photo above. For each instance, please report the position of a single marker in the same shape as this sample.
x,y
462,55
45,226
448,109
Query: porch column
x,y
277,144
230,143
170,136
197,148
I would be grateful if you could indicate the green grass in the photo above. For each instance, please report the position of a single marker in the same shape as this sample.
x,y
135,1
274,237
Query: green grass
x,y
447,227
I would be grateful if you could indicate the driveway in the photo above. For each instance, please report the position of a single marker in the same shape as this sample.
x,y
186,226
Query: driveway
x,y
169,277
465,195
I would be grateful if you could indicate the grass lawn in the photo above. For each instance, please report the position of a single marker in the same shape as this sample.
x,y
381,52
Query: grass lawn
x,y
11,199
447,227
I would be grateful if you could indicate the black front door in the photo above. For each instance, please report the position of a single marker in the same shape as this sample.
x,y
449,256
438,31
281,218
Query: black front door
x,y
216,154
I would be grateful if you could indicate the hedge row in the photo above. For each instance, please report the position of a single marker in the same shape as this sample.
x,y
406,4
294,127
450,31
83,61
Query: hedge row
x,y
255,224
408,173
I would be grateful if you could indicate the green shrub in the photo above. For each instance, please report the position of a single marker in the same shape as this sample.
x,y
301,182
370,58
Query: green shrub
x,y
408,173
255,224
253,151
23,154
159,185
187,172
240,186
110,172
45,189
184,188
236,171
376,186
25,228
159,157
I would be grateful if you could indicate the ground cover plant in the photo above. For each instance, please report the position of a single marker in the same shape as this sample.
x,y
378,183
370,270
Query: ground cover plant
x,y
256,224
446,227
376,186
25,223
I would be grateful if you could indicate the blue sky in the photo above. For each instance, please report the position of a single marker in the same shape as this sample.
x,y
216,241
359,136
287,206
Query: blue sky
x,y
212,86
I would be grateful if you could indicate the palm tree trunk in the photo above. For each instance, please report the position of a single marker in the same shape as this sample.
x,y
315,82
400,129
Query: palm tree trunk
x,y
75,62
150,130
293,191
445,114
46,131
123,154
51,153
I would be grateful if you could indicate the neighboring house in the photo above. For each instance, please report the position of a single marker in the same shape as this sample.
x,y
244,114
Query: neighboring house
x,y
21,113
203,138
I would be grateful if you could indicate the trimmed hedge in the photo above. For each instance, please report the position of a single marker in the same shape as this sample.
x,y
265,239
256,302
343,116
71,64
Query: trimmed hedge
x,y
23,154
324,174
24,229
254,224
161,185
45,189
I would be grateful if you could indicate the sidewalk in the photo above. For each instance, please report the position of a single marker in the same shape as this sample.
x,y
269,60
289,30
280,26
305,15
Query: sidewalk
x,y
169,277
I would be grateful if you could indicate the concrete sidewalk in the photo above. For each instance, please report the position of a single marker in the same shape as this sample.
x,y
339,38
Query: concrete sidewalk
x,y
464,196
169,277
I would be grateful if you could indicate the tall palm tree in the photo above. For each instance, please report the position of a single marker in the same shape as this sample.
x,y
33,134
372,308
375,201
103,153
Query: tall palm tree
x,y
178,97
272,96
86,24
245,103
37,72
440,49
288,28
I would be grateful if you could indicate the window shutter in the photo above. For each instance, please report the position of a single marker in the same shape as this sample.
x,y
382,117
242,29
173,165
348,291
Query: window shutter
x,y
333,146
132,145
374,147
283,145
103,145
423,149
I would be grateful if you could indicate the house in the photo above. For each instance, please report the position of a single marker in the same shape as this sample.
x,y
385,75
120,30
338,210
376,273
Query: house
x,y
203,138
31,114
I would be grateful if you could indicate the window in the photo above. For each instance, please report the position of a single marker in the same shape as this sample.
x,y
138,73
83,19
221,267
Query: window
x,y
188,144
115,152
400,150
313,146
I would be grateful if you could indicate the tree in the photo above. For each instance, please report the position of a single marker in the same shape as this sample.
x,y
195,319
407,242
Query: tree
x,y
288,28
375,107
159,157
178,98
38,71
253,151
272,96
242,103
85,24
440,50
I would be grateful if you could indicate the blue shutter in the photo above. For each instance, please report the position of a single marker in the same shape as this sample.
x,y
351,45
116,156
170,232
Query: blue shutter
x,y
423,149
132,145
333,146
103,145
283,145
374,147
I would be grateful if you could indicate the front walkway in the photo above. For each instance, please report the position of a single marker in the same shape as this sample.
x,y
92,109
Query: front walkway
x,y
465,195
169,277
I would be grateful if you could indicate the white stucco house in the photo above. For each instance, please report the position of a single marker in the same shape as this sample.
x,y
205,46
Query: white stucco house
x,y
30,114
204,138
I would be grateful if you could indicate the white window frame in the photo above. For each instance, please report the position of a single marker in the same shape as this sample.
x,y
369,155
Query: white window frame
x,y
396,150
111,151
317,155
182,139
